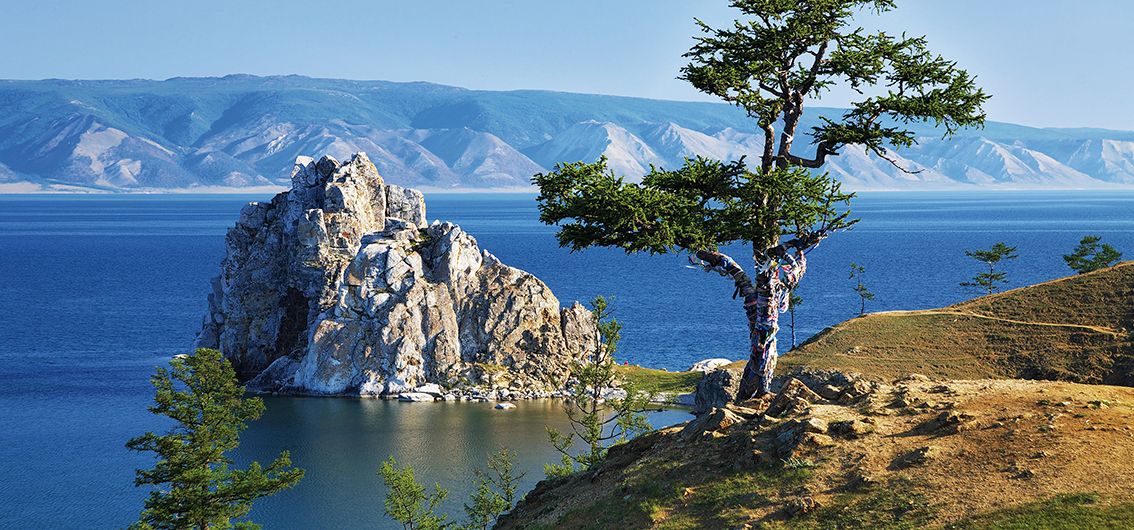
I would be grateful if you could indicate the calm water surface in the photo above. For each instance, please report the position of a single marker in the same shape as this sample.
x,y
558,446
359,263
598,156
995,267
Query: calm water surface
x,y
96,291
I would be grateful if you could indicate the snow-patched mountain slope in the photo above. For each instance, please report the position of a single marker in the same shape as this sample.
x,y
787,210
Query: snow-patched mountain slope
x,y
7,175
482,159
675,143
1110,160
983,161
81,149
858,169
627,155
246,131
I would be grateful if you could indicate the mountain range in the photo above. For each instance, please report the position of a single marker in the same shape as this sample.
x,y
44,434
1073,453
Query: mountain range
x,y
243,131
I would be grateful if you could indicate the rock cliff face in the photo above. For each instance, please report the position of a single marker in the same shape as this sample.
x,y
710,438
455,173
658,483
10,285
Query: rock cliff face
x,y
339,287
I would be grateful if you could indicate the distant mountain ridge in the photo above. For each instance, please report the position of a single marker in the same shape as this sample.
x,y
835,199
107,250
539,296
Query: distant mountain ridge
x,y
240,131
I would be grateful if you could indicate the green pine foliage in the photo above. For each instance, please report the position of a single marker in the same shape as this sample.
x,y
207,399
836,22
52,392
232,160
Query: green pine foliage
x,y
597,418
788,51
794,301
783,54
857,273
408,502
195,484
700,206
495,492
780,56
990,281
1091,256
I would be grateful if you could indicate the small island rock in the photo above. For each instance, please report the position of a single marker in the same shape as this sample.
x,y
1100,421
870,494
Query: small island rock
x,y
338,287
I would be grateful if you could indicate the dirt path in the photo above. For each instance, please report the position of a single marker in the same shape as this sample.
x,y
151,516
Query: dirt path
x,y
1098,329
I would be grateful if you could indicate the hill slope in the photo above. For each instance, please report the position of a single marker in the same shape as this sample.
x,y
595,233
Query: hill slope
x,y
963,446
912,454
1079,328
240,130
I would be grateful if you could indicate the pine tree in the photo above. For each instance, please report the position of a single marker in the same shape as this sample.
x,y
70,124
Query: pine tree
x,y
495,492
1089,256
780,56
990,281
407,501
794,301
857,272
197,486
597,416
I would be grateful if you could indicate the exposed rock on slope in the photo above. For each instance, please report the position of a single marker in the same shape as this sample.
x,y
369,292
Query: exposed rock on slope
x,y
832,452
338,287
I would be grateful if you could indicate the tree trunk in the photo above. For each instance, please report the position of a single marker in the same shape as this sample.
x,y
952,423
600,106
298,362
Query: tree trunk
x,y
762,311
792,312
763,299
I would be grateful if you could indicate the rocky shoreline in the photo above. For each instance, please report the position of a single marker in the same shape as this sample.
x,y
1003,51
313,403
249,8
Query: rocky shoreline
x,y
431,392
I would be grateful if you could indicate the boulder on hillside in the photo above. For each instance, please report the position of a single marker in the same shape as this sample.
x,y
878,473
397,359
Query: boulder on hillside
x,y
708,365
716,389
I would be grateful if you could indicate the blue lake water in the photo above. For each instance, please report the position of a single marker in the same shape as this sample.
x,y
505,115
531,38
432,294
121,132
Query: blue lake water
x,y
96,291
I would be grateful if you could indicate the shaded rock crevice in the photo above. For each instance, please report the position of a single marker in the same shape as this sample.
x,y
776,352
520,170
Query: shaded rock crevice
x,y
338,287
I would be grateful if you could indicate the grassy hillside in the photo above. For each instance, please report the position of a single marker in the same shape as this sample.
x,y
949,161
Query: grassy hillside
x,y
655,381
912,454
1078,329
888,450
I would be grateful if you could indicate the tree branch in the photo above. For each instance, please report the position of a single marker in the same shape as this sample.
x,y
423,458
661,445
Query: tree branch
x,y
772,90
813,72
769,158
882,154
824,148
725,266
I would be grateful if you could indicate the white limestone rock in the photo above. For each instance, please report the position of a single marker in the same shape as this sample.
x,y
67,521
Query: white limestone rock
x,y
708,365
432,389
341,277
406,204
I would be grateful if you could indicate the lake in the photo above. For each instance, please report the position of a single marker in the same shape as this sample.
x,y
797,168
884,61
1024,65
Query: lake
x,y
97,290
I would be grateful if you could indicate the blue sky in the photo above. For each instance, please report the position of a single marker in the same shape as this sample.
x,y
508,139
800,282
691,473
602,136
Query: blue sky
x,y
1046,63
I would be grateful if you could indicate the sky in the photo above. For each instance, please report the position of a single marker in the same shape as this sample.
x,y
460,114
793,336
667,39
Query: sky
x,y
1049,63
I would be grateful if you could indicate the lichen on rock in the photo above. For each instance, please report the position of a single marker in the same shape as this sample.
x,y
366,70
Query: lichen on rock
x,y
338,287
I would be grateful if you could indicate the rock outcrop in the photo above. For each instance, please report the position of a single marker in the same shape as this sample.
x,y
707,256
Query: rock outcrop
x,y
338,287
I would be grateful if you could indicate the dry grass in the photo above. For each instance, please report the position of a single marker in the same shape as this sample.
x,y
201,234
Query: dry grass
x,y
1024,454
1071,329
1026,450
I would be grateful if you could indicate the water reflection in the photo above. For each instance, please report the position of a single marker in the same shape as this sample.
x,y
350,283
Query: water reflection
x,y
341,442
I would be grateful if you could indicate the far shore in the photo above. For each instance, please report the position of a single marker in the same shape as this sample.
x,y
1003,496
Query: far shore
x,y
31,188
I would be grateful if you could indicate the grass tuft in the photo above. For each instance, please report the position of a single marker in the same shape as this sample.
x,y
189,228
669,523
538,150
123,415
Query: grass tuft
x,y
1064,512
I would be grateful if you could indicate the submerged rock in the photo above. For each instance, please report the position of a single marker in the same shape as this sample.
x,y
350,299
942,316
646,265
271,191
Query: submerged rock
x,y
338,287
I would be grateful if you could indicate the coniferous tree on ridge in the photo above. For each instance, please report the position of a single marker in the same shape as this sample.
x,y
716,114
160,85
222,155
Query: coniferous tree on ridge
x,y
779,57
1090,256
597,416
990,281
857,272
